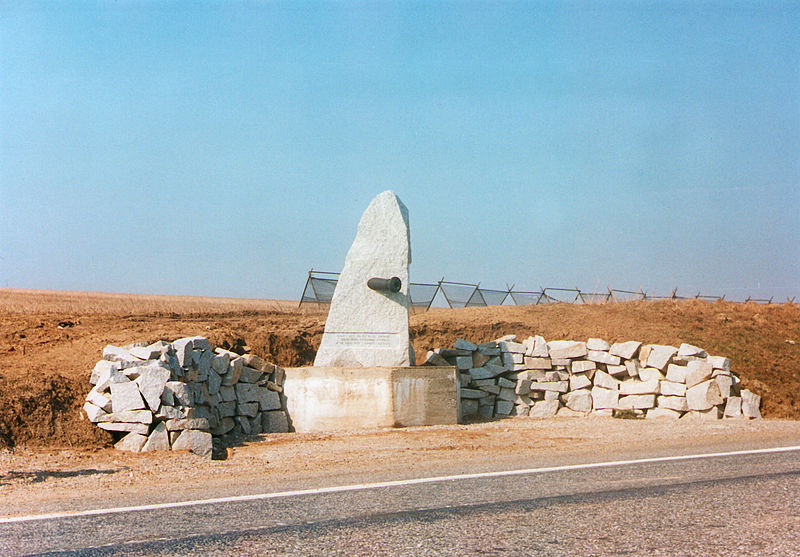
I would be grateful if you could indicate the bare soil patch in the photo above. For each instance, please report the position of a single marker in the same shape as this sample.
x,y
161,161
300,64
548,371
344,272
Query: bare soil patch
x,y
50,341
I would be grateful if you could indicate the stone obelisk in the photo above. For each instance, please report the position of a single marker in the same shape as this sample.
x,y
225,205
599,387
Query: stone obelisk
x,y
368,327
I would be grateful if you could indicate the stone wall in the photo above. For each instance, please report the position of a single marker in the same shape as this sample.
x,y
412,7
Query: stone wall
x,y
182,395
541,379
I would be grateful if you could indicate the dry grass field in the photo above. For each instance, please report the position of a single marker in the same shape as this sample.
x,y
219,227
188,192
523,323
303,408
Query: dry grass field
x,y
93,303
49,342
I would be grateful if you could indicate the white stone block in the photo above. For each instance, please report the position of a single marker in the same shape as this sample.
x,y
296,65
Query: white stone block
x,y
544,409
639,402
616,371
724,382
602,379
733,407
650,374
597,344
180,393
566,349
660,356
132,442
102,367
540,348
130,416
565,412
751,404
579,366
94,413
625,350
603,358
672,403
125,396
604,398
662,413
579,400
151,382
142,429
687,350
100,400
697,371
668,388
579,381
532,362
633,367
158,440
720,362
183,351
635,387
551,395
517,357
557,386
676,373
703,396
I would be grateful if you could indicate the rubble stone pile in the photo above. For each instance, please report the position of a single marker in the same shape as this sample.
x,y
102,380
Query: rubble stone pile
x,y
628,379
182,395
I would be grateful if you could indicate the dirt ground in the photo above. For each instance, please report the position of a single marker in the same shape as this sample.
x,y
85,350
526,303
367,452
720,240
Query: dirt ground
x,y
49,343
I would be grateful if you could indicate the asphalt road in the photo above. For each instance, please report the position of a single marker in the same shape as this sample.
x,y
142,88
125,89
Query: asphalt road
x,y
747,504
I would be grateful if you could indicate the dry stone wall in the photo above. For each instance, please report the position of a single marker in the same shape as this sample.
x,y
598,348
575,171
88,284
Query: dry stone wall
x,y
182,395
541,379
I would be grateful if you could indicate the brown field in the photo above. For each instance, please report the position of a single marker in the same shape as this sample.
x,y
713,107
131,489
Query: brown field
x,y
49,342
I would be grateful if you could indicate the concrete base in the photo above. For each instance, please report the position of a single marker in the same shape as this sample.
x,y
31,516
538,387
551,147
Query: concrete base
x,y
325,399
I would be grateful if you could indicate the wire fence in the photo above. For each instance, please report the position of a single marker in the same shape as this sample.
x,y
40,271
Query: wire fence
x,y
321,285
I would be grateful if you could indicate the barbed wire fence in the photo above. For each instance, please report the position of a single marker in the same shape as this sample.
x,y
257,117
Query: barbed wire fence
x,y
320,285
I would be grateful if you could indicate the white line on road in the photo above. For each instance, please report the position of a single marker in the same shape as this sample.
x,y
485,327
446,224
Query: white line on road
x,y
394,483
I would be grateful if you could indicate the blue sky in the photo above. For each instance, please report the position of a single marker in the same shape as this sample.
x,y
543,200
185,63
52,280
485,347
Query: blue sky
x,y
223,149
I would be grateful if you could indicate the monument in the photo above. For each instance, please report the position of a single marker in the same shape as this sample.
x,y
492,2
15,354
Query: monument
x,y
368,320
364,375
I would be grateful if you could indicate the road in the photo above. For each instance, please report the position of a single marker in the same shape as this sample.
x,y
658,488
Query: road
x,y
723,504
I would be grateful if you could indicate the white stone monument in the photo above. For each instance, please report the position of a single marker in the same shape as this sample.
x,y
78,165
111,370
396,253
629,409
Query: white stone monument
x,y
363,376
368,325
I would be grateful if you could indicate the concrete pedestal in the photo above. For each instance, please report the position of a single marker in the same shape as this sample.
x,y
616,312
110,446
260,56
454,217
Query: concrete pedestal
x,y
326,399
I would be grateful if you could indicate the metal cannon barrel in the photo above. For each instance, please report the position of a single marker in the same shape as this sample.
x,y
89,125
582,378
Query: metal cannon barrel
x,y
385,284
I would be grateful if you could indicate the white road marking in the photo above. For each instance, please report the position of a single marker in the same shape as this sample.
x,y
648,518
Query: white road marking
x,y
393,483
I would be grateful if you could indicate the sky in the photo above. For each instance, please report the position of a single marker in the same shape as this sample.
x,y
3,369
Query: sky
x,y
226,148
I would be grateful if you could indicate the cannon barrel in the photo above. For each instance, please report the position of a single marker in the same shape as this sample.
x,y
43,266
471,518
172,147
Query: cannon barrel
x,y
385,285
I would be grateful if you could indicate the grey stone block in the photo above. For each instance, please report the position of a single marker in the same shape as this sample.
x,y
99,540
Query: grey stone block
x,y
275,422
464,362
249,409
269,400
472,393
188,423
198,442
131,416
225,425
462,344
469,407
250,375
503,407
183,351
